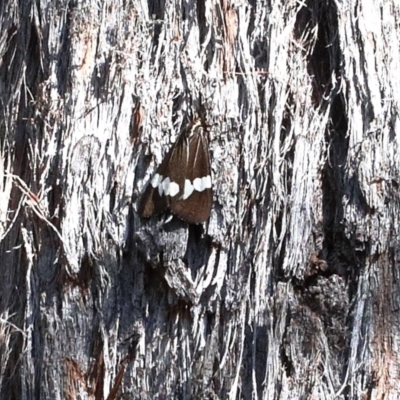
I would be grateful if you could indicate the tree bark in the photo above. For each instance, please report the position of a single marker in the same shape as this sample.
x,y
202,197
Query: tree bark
x,y
290,290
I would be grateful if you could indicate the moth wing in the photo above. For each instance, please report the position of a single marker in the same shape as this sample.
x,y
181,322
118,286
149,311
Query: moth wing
x,y
152,203
196,209
176,168
157,196
195,200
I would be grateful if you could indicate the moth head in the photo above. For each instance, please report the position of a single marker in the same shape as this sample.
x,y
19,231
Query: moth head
x,y
198,126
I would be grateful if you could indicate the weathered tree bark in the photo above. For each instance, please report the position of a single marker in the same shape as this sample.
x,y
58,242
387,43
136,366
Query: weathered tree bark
x,y
290,291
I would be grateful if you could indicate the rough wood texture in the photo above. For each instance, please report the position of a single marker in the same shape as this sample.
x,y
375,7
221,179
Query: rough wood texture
x,y
291,291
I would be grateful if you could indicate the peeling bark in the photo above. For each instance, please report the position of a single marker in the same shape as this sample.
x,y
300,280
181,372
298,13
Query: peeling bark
x,y
291,290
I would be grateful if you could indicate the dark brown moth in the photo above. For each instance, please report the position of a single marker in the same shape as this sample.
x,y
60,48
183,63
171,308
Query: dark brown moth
x,y
182,183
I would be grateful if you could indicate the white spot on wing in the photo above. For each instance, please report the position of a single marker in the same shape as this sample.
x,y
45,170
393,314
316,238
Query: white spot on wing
x,y
201,184
156,180
173,189
188,190
165,186
169,188
207,182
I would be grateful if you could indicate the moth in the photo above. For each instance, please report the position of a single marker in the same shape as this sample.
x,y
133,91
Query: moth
x,y
182,183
